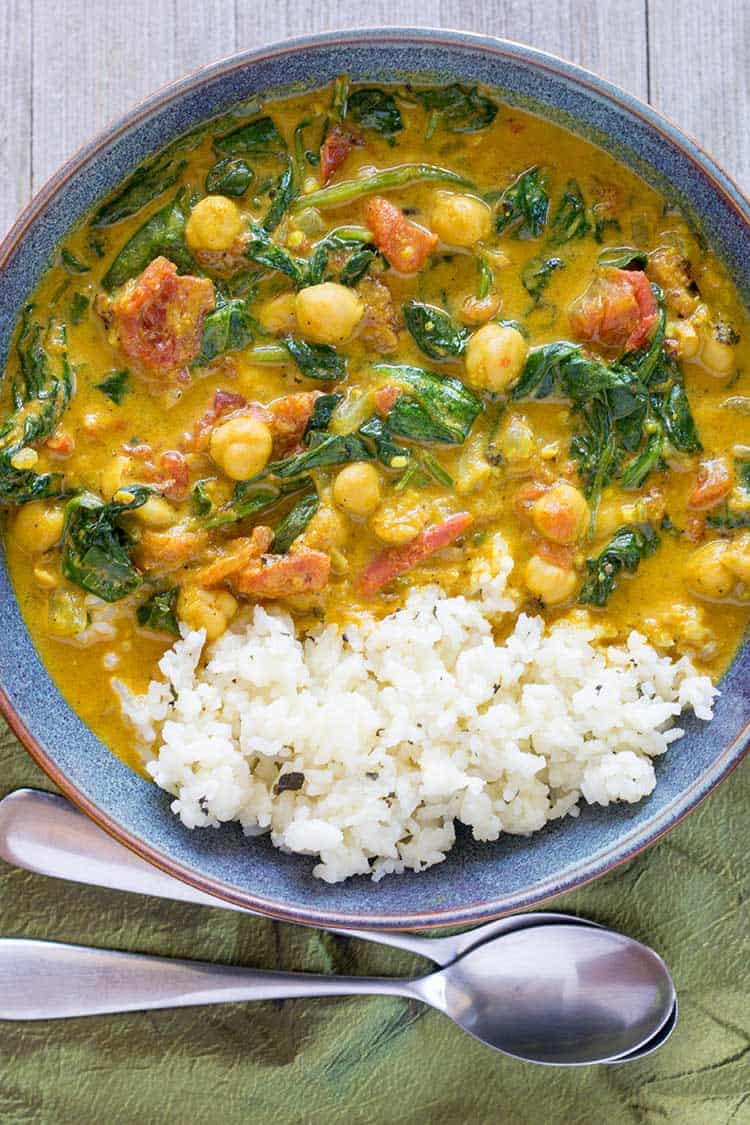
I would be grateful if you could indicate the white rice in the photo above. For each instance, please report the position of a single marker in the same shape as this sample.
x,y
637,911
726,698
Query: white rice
x,y
401,726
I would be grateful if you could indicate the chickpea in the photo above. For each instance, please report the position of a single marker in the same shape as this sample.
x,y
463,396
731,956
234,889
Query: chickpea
x,y
357,489
328,313
686,337
211,610
241,446
460,220
113,476
516,442
277,315
38,527
495,356
156,513
550,583
561,514
707,574
737,558
718,354
214,224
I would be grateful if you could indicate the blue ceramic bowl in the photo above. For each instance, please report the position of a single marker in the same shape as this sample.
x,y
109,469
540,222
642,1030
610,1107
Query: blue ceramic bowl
x,y
476,882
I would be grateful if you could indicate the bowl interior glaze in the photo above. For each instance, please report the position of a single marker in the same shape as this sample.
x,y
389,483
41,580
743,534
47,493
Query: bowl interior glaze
x,y
477,881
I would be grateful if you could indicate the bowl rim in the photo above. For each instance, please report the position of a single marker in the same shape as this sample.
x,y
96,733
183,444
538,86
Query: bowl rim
x,y
627,847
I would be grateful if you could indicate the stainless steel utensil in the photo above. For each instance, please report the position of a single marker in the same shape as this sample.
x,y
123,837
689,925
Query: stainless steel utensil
x,y
558,994
45,833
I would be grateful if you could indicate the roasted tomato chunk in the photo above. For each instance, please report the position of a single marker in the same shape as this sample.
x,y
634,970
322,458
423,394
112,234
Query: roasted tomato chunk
x,y
617,311
335,149
397,560
406,245
281,576
288,420
713,484
159,316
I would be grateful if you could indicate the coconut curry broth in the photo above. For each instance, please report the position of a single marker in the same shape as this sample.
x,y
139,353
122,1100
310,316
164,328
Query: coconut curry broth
x,y
547,352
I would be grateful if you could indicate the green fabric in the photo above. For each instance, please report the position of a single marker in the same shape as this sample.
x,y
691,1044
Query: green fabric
x,y
382,1060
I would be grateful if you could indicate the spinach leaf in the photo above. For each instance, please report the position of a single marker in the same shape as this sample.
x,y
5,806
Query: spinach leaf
x,y
541,372
674,411
115,385
357,266
144,185
347,239
623,258
434,331
523,206
294,523
595,449
636,472
228,329
202,502
230,176
624,552
390,454
569,219
536,275
71,264
375,109
451,407
283,194
158,613
266,253
409,419
78,308
458,109
322,413
252,497
316,361
729,517
256,136
163,233
95,554
41,393
324,450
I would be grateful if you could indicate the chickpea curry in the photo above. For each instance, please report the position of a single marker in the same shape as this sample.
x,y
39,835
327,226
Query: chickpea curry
x,y
321,349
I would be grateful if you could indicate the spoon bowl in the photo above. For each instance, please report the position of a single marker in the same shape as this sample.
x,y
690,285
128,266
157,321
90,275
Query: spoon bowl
x,y
560,994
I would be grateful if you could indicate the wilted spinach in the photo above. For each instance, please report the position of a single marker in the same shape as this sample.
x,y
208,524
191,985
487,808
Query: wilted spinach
x,y
445,403
163,233
624,552
79,306
537,274
283,194
144,185
434,331
316,361
294,523
71,264
569,219
522,207
95,553
623,258
262,250
457,109
115,385
375,109
229,328
230,176
256,136
158,613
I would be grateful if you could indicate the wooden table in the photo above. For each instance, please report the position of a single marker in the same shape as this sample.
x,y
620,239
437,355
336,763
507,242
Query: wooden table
x,y
70,66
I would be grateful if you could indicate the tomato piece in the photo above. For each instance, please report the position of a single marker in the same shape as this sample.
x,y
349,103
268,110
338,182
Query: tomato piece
x,y
397,560
618,310
335,149
175,479
168,550
713,483
406,245
159,316
238,555
385,397
280,576
288,418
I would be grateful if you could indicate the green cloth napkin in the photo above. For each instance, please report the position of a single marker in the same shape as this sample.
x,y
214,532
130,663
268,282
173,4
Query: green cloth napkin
x,y
382,1060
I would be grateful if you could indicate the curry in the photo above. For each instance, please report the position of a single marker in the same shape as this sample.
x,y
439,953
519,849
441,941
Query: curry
x,y
318,351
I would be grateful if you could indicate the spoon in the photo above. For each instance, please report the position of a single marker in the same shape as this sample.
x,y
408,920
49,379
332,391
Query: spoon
x,y
558,994
46,834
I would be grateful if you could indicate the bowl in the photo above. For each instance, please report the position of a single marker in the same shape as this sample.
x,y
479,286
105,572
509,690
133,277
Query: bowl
x,y
477,881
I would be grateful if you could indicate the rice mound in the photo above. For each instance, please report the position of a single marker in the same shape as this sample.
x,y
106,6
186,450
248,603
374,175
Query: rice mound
x,y
364,745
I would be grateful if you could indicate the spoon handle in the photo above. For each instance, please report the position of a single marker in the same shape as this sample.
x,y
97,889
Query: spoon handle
x,y
45,833
50,980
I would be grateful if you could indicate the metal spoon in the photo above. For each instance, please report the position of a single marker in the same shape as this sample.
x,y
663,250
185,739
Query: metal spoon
x,y
558,994
45,833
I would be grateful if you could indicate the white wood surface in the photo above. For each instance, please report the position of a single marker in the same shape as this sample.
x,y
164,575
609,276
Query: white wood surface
x,y
67,67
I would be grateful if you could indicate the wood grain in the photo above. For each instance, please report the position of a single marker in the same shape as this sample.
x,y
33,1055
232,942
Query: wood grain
x,y
69,66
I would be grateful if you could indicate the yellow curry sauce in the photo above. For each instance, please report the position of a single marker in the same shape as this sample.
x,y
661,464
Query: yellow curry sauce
x,y
273,340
